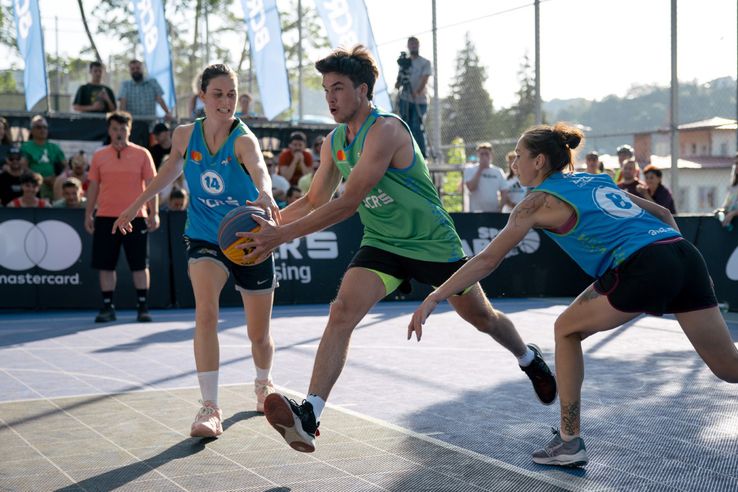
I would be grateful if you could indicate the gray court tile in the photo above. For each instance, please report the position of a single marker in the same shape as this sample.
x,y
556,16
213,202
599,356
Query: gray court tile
x,y
44,481
226,480
378,463
302,472
344,484
265,458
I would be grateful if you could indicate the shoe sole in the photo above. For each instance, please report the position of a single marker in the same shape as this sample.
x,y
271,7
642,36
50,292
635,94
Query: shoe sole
x,y
279,414
569,460
557,384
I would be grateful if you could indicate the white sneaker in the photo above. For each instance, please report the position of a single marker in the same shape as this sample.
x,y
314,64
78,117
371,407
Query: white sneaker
x,y
208,421
262,388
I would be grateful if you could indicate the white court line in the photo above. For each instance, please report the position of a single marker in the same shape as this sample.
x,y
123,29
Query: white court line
x,y
452,447
388,425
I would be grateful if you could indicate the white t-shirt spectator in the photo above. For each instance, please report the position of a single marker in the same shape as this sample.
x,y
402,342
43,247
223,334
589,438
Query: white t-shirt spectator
x,y
515,193
280,182
486,198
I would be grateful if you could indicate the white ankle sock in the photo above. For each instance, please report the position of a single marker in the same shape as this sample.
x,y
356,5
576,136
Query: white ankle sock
x,y
318,403
525,359
263,373
208,385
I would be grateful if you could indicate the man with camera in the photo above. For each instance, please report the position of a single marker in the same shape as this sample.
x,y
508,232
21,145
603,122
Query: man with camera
x,y
412,80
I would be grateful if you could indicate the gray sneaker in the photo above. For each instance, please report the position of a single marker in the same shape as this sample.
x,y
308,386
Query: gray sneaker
x,y
561,453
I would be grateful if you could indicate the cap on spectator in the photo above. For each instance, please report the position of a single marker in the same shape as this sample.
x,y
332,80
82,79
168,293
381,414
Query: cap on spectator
x,y
625,149
14,150
160,127
592,153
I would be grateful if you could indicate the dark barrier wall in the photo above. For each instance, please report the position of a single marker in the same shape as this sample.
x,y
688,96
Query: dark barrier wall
x,y
308,269
45,258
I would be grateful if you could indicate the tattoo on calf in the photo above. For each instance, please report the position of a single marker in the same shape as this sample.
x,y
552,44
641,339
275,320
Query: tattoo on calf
x,y
570,419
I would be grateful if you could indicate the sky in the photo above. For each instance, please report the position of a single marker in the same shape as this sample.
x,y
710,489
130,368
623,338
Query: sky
x,y
589,48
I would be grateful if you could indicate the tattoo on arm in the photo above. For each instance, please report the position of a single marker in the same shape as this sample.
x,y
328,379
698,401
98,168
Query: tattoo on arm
x,y
570,419
528,207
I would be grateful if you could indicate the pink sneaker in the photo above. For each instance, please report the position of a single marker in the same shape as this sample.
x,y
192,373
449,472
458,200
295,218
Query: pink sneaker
x,y
262,388
208,421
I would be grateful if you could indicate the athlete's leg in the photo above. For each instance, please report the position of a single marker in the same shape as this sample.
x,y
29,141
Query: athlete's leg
x,y
474,308
208,278
298,424
258,309
589,313
360,290
709,335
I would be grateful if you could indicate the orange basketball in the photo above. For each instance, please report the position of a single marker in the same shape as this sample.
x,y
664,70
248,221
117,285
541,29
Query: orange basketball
x,y
238,220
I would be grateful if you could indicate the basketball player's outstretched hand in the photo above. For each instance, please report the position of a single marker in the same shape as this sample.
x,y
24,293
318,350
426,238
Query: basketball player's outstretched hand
x,y
123,222
419,317
267,203
263,240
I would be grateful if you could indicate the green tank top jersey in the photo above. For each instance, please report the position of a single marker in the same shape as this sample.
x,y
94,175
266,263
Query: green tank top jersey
x,y
402,214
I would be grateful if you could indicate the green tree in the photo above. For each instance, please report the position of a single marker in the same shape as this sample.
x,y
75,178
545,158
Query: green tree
x,y
467,111
7,26
523,114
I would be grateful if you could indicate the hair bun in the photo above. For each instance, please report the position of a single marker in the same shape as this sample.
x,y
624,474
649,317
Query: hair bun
x,y
572,140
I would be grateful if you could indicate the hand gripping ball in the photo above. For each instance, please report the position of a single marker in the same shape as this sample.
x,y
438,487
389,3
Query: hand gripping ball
x,y
238,220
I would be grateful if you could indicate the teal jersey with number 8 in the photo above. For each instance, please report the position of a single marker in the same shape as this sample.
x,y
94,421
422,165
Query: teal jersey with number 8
x,y
610,226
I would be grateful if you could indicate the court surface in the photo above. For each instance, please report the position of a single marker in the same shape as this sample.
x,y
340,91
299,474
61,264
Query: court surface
x,y
85,406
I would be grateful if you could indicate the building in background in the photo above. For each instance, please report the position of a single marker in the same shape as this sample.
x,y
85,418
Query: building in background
x,y
706,152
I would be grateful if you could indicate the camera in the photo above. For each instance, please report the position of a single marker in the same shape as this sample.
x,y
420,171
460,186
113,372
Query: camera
x,y
403,75
404,61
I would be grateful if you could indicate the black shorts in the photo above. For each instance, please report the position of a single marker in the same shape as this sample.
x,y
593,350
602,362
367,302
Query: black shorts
x,y
253,279
106,245
664,277
404,269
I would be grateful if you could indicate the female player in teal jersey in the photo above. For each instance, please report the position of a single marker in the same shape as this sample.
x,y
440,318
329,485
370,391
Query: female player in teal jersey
x,y
630,245
224,168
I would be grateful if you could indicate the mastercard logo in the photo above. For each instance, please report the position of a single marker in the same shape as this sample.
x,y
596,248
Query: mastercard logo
x,y
195,156
341,155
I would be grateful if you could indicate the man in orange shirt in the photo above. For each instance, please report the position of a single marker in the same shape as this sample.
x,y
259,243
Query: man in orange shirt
x,y
118,174
295,161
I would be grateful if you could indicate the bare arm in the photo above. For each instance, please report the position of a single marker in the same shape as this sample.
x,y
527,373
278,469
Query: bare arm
x,y
661,213
325,182
123,104
421,85
382,142
249,153
92,190
536,210
473,183
288,171
163,104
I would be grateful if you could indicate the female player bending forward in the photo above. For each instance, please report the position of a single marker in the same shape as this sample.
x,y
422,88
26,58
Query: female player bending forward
x,y
631,246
